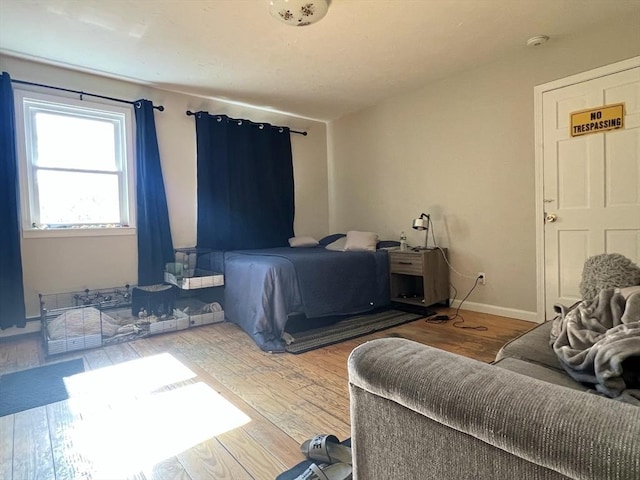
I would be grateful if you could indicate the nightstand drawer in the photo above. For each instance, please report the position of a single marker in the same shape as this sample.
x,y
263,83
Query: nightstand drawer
x,y
407,263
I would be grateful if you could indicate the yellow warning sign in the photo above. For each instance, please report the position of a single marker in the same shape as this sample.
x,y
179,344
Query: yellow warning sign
x,y
595,120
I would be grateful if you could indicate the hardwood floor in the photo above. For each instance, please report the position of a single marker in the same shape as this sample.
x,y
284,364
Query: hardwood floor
x,y
234,412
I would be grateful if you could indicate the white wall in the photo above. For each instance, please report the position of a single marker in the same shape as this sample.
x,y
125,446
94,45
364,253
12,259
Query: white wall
x,y
462,150
53,265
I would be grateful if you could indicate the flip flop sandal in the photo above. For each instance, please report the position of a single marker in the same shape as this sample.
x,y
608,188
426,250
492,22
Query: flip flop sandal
x,y
337,471
326,449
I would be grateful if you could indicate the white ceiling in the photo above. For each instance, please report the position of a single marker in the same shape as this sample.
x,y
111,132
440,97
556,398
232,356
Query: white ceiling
x,y
362,52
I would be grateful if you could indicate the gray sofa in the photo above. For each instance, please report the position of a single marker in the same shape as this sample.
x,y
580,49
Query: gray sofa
x,y
418,412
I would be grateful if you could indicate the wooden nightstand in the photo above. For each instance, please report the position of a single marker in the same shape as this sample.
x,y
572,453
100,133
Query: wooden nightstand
x,y
419,278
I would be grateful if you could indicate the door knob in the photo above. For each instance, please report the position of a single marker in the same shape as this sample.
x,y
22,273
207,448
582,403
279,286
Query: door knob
x,y
551,217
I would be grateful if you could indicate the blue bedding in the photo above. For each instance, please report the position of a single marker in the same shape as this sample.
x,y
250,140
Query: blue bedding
x,y
263,287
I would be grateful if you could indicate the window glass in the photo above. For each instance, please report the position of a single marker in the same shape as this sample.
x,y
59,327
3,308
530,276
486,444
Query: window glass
x,y
77,198
75,163
65,141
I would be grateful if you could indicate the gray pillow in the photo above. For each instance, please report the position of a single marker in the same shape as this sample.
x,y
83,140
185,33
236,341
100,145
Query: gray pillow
x,y
607,270
338,245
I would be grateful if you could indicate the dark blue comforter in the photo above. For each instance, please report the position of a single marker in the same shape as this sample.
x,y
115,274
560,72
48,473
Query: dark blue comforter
x,y
262,287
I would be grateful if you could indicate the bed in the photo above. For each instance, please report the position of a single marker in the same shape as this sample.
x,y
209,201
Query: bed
x,y
263,288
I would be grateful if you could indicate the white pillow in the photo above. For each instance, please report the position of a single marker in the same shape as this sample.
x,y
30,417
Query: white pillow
x,y
338,245
361,241
303,242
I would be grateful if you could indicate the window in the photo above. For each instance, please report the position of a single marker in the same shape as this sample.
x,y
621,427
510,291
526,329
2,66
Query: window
x,y
76,165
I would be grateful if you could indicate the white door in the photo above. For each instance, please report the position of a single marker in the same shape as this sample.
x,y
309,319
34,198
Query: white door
x,y
591,189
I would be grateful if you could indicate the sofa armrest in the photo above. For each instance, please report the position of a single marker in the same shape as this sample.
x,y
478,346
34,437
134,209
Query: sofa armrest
x,y
526,424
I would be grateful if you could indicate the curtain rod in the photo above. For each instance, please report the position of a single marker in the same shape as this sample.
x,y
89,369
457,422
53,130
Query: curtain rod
x,y
190,114
23,82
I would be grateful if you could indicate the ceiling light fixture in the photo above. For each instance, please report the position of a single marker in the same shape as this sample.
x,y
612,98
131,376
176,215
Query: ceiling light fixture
x,y
298,13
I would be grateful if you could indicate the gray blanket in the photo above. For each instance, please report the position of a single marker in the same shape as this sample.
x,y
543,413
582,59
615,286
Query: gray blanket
x,y
598,343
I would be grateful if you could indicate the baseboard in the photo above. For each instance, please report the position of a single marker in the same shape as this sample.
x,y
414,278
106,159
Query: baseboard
x,y
12,333
496,310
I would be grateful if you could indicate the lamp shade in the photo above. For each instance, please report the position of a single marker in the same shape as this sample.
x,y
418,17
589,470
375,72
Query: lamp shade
x,y
298,13
421,223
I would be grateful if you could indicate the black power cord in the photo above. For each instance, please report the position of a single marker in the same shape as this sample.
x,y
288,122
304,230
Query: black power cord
x,y
438,319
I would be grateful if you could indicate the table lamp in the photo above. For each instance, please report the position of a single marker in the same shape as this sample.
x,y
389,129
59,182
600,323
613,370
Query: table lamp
x,y
422,223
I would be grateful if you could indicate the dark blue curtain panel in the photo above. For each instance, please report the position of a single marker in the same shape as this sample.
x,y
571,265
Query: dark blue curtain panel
x,y
155,247
245,184
12,310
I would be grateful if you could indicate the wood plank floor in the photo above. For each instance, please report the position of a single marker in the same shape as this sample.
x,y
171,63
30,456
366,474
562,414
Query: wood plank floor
x,y
233,413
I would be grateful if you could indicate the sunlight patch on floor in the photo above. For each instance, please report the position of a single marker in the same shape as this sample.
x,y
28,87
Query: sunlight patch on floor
x,y
124,425
127,379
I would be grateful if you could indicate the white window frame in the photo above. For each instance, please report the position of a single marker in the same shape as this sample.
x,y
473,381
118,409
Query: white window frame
x,y
27,103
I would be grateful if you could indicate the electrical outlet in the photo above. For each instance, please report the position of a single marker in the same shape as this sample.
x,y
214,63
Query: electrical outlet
x,y
483,278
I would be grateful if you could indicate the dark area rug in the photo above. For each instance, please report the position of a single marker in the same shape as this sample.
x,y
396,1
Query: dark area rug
x,y
37,386
339,329
296,471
